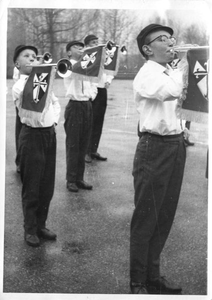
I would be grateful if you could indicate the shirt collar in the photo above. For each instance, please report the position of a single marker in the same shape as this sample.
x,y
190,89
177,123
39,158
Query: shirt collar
x,y
73,61
23,76
156,66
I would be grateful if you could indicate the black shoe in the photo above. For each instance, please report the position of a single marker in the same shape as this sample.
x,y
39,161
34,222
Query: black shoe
x,y
88,158
138,288
188,143
71,186
46,234
83,185
162,286
98,156
32,240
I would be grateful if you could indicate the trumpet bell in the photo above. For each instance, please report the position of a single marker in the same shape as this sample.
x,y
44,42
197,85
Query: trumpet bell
x,y
64,68
47,58
110,45
123,50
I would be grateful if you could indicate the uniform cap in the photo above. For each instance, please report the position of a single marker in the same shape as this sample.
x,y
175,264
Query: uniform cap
x,y
20,48
72,43
89,38
149,29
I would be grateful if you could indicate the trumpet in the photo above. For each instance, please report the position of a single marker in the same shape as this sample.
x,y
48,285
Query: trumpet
x,y
46,57
181,51
110,44
63,67
185,48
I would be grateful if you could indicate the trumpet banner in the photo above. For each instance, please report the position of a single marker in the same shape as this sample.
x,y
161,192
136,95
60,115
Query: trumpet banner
x,y
37,93
91,64
195,105
111,64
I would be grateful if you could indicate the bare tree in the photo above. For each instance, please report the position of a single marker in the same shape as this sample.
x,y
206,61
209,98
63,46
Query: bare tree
x,y
51,29
194,35
116,25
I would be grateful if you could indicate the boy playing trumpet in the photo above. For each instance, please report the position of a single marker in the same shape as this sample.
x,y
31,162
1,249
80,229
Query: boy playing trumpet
x,y
37,152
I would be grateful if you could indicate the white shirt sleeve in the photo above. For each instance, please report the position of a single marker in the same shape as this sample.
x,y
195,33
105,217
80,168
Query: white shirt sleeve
x,y
93,91
56,107
67,82
17,89
158,85
16,74
16,92
109,78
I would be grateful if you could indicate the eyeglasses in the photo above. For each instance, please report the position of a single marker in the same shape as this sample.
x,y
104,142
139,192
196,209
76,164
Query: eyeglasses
x,y
164,39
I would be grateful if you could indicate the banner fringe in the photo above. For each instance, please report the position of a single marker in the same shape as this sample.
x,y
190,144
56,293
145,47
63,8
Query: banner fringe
x,y
194,116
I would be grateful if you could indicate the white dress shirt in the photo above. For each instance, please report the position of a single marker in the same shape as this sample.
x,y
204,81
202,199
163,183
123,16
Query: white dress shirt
x,y
16,74
78,89
51,115
105,79
156,94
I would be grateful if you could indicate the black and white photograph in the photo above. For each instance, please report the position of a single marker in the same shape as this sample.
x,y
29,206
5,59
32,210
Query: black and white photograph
x,y
105,133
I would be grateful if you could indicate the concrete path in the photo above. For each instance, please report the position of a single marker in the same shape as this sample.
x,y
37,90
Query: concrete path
x,y
91,254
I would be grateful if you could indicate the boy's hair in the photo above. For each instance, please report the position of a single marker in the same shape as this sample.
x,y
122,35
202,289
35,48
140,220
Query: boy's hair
x,y
20,48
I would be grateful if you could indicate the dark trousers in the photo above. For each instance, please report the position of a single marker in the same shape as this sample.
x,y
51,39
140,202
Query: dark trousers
x,y
158,172
78,122
37,151
188,124
206,170
99,105
18,126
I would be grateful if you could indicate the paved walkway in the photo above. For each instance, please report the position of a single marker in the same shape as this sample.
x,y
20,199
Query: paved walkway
x,y
91,254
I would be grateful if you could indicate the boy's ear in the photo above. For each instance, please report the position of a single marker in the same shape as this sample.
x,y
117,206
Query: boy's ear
x,y
69,52
147,50
17,64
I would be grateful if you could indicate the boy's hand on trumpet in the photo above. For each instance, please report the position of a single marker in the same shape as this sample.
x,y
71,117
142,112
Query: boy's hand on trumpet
x,y
183,64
